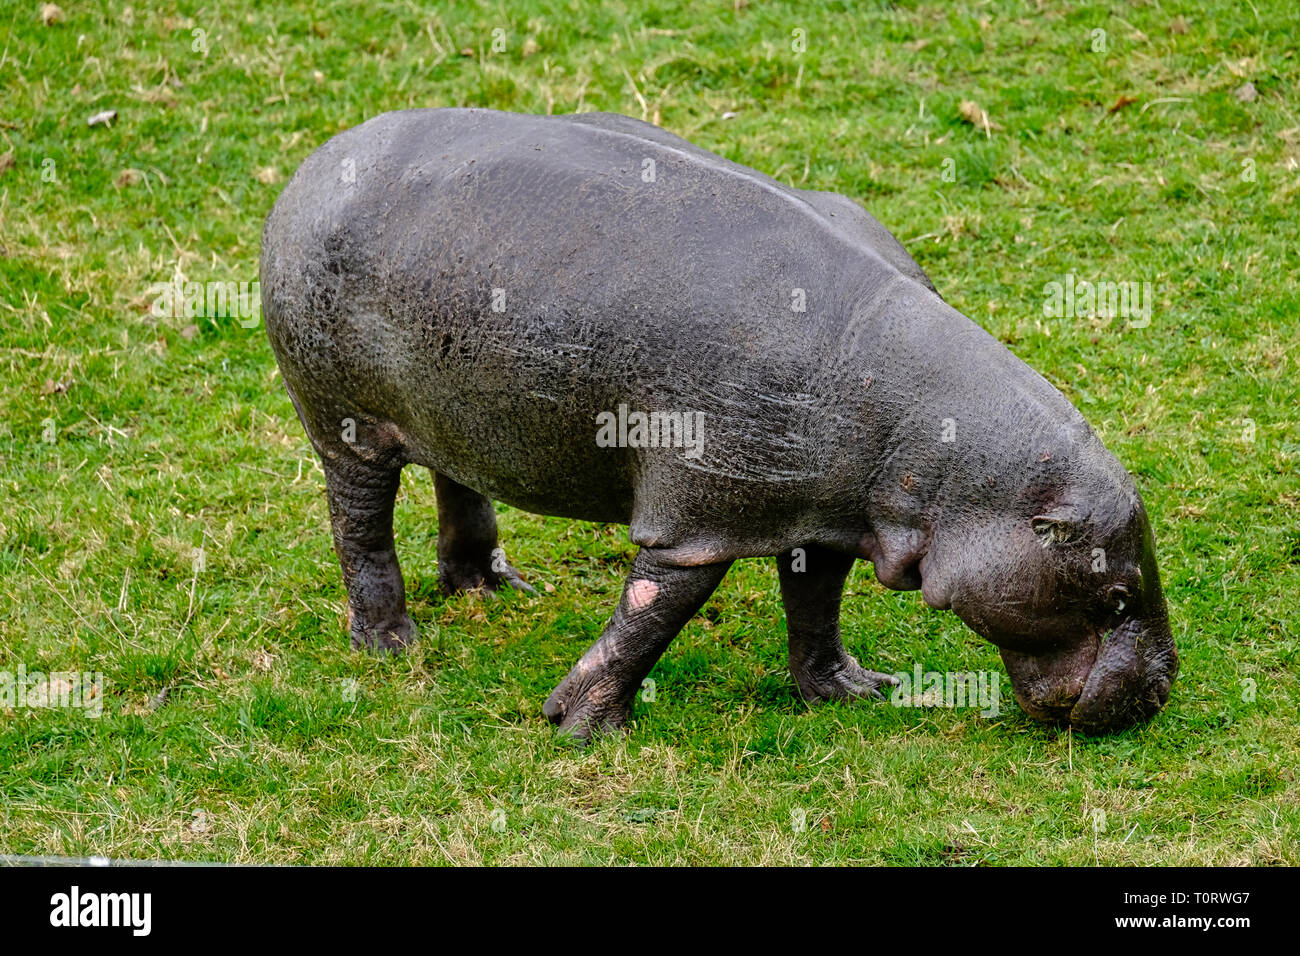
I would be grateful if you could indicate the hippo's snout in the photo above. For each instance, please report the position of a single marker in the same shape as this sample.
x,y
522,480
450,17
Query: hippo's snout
x,y
1103,684
1131,679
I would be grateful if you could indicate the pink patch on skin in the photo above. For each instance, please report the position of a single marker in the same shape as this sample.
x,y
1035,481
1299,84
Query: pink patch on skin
x,y
694,556
641,594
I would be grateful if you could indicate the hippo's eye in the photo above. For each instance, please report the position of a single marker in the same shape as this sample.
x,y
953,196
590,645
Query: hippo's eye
x,y
1117,596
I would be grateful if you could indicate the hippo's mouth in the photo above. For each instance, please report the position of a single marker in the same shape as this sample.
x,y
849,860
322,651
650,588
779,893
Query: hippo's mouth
x,y
1130,680
1048,686
1105,683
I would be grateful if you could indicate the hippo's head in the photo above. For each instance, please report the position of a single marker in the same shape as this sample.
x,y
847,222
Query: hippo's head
x,y
1070,594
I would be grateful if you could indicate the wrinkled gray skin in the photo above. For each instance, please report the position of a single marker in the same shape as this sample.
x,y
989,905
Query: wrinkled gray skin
x,y
824,429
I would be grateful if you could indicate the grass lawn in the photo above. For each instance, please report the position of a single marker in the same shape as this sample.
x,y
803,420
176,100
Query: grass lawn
x,y
164,520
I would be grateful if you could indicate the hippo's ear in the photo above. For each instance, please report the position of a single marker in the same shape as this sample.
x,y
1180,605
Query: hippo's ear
x,y
1058,526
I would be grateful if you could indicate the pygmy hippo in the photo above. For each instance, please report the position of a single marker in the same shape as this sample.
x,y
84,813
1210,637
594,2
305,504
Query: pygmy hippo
x,y
589,317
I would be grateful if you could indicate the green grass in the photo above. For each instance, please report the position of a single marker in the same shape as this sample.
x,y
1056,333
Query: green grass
x,y
171,435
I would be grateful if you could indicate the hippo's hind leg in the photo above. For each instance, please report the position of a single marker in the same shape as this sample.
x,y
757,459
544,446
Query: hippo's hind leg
x,y
469,557
658,599
361,491
812,586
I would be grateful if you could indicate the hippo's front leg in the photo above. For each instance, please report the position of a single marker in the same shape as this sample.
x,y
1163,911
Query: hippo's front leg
x,y
658,599
812,586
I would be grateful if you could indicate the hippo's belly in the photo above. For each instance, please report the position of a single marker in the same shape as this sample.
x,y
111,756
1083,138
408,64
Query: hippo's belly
x,y
519,426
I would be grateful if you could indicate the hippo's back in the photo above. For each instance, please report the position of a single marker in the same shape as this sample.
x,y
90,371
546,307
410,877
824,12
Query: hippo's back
x,y
490,282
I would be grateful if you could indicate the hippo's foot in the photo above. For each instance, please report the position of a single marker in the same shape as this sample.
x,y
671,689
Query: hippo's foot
x,y
812,586
658,598
586,705
456,577
469,557
391,638
361,491
843,679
